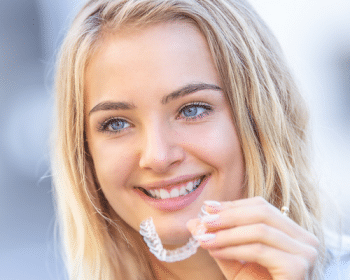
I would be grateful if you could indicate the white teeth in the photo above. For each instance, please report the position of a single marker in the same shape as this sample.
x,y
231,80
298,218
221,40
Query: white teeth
x,y
153,193
157,193
189,186
174,193
164,194
183,191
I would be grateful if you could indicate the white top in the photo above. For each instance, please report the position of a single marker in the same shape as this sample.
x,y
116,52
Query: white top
x,y
339,267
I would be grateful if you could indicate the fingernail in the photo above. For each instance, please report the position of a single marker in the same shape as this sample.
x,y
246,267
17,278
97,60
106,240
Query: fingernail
x,y
210,218
200,229
205,237
212,203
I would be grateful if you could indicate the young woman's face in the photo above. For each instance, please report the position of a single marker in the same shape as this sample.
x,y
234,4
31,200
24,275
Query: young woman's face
x,y
159,128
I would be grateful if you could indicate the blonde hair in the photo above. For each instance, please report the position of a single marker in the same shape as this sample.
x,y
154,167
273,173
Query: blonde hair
x,y
267,109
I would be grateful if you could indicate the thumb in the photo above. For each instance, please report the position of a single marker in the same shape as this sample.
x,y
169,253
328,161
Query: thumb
x,y
230,268
253,271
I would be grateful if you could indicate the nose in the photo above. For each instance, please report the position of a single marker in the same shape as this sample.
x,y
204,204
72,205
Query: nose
x,y
160,150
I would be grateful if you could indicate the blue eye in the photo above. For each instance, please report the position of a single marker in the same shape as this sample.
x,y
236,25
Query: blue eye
x,y
194,111
114,125
191,111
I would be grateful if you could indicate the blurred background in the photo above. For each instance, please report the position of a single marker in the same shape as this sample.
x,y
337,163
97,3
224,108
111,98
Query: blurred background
x,y
315,36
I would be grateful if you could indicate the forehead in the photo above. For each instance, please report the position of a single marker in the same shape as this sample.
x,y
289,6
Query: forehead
x,y
159,58
154,38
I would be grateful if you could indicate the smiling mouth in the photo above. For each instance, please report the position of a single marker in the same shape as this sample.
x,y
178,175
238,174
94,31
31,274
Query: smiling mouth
x,y
181,190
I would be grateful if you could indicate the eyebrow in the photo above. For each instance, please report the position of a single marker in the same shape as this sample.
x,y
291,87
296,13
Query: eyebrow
x,y
186,90
109,105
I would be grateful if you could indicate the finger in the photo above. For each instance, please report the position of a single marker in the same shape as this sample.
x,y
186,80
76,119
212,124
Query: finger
x,y
253,271
279,263
232,269
258,233
256,213
215,206
196,227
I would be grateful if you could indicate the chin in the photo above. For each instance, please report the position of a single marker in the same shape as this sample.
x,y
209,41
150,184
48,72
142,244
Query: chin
x,y
173,235
171,240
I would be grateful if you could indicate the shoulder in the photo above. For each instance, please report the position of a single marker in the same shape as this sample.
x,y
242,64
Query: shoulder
x,y
338,266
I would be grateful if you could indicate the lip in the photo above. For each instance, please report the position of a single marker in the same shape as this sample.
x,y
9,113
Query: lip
x,y
177,203
169,184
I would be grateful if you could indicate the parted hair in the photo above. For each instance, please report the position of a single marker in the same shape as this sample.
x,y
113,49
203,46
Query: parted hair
x,y
269,114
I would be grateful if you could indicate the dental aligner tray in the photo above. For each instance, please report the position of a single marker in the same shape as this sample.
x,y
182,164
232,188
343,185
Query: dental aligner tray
x,y
151,237
149,233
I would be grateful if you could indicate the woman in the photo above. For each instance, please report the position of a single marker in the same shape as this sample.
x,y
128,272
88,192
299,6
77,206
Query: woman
x,y
163,107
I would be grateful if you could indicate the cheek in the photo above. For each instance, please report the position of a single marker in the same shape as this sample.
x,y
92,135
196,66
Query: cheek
x,y
113,163
219,148
217,145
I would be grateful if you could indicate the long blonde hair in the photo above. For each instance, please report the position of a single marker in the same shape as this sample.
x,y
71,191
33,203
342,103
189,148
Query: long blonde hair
x,y
267,109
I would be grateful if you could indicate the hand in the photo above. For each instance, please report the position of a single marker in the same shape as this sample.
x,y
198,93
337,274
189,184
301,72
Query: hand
x,y
250,236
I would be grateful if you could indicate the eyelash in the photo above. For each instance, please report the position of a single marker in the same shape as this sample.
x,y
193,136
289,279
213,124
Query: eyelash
x,y
208,110
103,126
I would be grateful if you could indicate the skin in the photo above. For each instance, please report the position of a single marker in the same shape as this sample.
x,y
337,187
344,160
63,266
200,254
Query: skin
x,y
261,238
154,136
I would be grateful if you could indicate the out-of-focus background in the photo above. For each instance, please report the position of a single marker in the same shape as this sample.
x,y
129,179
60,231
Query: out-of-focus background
x,y
315,36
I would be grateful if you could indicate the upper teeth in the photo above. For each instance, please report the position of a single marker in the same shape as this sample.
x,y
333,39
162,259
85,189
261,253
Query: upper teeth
x,y
175,192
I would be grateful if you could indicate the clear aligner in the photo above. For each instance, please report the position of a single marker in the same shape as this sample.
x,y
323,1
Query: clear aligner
x,y
151,237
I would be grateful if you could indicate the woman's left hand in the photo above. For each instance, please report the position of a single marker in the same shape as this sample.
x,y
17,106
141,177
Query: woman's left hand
x,y
255,233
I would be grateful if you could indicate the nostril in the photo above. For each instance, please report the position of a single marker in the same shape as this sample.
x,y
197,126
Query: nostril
x,y
160,150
